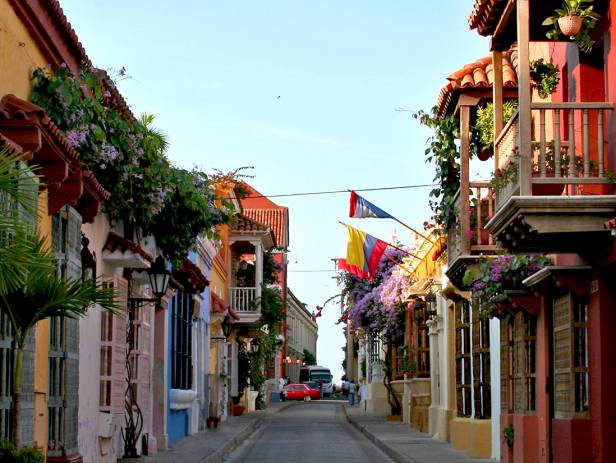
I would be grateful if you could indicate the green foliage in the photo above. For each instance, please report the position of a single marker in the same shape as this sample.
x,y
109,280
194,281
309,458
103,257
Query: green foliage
x,y
9,454
271,306
127,157
188,212
545,77
483,132
508,434
502,177
309,358
443,153
582,8
271,268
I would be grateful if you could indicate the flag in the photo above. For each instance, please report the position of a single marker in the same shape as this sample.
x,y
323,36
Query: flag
x,y
364,253
362,208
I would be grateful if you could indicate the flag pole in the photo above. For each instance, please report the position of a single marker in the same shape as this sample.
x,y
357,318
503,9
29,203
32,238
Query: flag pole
x,y
400,265
388,244
413,230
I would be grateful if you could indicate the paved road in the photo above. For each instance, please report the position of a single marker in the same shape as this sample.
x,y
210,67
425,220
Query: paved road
x,y
308,432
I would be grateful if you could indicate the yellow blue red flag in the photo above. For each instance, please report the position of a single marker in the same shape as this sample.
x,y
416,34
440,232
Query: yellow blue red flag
x,y
364,253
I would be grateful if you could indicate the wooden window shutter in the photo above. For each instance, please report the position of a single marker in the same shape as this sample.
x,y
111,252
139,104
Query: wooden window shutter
x,y
476,346
562,325
144,353
504,373
118,360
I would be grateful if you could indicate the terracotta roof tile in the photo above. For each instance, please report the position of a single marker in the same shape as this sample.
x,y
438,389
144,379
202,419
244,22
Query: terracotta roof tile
x,y
485,15
277,219
190,274
476,75
115,241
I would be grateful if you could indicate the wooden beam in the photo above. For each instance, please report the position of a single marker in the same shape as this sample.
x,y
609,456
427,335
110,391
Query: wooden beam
x,y
524,98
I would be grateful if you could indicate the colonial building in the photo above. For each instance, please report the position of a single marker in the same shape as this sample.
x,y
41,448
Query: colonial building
x,y
302,333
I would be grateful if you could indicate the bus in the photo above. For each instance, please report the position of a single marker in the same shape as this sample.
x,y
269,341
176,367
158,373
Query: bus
x,y
318,373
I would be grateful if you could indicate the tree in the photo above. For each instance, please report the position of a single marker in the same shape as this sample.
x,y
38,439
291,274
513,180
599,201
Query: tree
x,y
30,289
309,358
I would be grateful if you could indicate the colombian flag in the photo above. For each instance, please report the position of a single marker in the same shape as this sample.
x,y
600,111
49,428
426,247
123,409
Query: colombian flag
x,y
364,253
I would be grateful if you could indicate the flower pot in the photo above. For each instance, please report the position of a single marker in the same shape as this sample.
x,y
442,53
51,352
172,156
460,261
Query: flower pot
x,y
238,410
547,189
570,25
485,155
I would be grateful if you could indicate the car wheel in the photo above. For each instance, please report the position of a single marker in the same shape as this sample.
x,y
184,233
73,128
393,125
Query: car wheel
x,y
306,398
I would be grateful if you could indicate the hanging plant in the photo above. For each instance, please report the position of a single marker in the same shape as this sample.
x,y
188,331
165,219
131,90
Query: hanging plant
x,y
576,19
443,153
545,77
502,274
482,136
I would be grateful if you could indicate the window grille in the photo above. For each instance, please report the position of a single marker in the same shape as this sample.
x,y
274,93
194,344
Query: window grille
x,y
481,365
181,326
463,359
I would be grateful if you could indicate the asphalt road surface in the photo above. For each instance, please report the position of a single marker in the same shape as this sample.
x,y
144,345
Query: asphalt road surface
x,y
308,432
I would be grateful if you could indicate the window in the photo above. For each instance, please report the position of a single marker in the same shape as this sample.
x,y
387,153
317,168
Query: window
x,y
422,351
181,326
463,358
570,324
530,362
6,375
507,363
481,365
64,340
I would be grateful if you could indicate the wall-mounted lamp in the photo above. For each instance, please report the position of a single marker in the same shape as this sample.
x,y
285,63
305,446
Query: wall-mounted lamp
x,y
431,311
88,261
418,310
298,360
254,346
159,280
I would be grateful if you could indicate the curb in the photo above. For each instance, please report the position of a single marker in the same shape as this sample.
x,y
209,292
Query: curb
x,y
389,451
219,455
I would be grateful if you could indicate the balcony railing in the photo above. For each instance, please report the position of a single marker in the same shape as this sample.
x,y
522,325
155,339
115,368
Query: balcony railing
x,y
479,240
567,148
243,299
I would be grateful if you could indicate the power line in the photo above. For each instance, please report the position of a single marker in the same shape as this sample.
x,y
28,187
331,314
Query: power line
x,y
310,271
330,192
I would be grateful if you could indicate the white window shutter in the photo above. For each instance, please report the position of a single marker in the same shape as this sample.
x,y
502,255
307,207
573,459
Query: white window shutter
x,y
234,391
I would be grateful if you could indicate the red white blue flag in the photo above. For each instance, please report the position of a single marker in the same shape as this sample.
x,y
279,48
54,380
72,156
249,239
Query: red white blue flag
x,y
361,208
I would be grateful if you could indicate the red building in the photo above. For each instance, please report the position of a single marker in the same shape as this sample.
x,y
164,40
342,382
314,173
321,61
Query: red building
x,y
558,368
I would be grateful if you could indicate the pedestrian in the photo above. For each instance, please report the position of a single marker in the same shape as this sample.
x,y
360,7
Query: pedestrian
x,y
321,388
281,385
352,392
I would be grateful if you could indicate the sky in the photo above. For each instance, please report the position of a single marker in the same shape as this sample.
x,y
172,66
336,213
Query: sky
x,y
316,95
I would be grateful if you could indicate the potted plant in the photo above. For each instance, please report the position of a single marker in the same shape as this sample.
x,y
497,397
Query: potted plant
x,y
507,174
576,19
545,77
482,137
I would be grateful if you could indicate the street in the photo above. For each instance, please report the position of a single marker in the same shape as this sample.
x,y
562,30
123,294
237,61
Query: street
x,y
308,432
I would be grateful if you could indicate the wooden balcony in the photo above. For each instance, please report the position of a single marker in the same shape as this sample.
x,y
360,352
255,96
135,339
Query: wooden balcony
x,y
470,240
245,301
561,195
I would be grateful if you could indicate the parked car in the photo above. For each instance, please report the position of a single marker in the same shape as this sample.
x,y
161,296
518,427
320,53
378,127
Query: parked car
x,y
300,392
314,389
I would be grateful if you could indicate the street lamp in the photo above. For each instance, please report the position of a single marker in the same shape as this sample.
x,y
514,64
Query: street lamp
x,y
226,326
159,280
88,261
431,312
254,346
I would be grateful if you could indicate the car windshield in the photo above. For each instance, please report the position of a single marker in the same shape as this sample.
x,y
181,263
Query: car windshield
x,y
326,377
311,384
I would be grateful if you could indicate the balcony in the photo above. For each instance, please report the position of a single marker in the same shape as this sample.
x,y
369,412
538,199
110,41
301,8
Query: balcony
x,y
561,194
470,240
245,301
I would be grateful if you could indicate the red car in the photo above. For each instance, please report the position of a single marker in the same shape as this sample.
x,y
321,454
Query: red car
x,y
300,392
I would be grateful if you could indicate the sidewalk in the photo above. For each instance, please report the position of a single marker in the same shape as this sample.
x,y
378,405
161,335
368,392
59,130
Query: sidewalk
x,y
402,443
211,445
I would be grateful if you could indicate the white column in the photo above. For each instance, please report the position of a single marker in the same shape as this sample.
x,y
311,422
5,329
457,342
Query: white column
x,y
259,268
434,369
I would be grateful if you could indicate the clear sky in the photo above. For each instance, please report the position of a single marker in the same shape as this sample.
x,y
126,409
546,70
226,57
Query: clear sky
x,y
308,92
